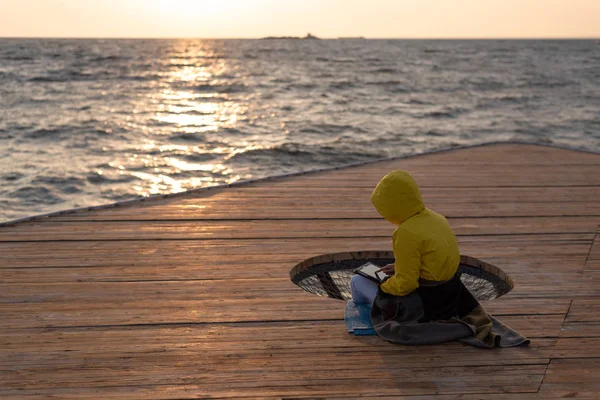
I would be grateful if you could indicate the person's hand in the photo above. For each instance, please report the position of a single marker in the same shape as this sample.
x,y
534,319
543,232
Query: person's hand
x,y
388,269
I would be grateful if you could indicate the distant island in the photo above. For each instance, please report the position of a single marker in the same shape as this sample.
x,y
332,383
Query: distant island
x,y
307,37
352,38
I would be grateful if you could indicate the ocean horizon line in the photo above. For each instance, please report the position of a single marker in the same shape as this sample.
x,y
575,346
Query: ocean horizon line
x,y
544,38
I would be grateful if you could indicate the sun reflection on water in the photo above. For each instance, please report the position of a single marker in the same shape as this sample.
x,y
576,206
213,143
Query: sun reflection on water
x,y
191,124
193,98
206,116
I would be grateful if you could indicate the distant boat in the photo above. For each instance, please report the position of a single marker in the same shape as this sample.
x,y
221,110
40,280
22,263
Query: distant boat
x,y
309,36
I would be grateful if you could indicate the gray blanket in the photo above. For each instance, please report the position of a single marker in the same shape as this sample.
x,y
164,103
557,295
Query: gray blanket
x,y
401,320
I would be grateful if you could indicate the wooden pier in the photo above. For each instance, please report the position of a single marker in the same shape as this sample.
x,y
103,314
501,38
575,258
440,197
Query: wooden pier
x,y
190,297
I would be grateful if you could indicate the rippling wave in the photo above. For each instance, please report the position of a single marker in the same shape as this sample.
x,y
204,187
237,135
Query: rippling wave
x,y
85,122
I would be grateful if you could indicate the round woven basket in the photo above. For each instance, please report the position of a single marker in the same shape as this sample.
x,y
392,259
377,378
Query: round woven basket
x,y
329,275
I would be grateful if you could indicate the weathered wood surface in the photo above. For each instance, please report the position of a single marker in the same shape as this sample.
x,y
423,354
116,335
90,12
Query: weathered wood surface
x,y
190,297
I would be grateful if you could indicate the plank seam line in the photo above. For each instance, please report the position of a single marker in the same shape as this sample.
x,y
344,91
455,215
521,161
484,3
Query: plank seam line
x,y
544,376
581,337
370,396
550,361
100,220
434,392
316,320
587,258
376,396
240,262
226,323
179,324
263,238
447,149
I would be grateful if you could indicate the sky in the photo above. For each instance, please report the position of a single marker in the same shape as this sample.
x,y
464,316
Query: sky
x,y
324,18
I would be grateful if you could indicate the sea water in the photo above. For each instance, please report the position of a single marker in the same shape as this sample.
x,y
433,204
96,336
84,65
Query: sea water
x,y
87,122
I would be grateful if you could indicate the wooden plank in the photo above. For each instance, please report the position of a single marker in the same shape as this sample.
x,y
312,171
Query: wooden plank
x,y
527,306
576,347
93,253
110,313
275,190
509,154
492,174
542,268
188,392
212,301
347,208
482,396
251,341
580,330
50,230
568,285
210,270
448,176
171,270
593,258
577,379
283,289
584,310
592,265
388,381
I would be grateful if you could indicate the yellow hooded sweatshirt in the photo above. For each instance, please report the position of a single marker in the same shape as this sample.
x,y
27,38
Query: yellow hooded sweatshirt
x,y
424,244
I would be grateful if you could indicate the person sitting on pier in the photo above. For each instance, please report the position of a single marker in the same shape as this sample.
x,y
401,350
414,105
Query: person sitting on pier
x,y
423,301
425,247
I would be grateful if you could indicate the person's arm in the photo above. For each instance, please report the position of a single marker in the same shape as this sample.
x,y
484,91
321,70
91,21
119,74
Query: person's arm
x,y
407,267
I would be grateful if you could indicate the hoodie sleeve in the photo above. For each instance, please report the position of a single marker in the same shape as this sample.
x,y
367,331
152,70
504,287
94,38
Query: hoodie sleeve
x,y
407,267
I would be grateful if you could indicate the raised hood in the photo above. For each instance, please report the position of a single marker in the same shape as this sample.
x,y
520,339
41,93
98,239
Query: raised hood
x,y
397,197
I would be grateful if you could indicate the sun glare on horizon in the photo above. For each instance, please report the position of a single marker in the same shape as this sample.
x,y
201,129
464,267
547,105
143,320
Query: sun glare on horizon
x,y
325,18
195,8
